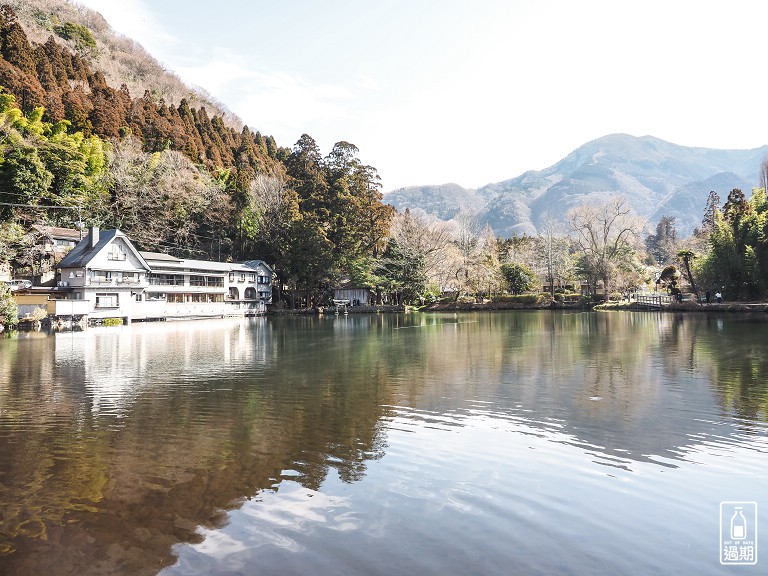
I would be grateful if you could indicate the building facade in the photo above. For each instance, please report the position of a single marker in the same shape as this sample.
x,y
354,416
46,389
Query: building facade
x,y
106,271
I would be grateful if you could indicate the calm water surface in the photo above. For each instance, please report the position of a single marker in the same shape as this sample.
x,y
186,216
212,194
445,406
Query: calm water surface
x,y
488,443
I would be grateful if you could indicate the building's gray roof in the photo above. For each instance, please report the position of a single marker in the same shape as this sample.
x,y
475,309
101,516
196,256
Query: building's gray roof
x,y
159,256
59,233
158,261
257,263
82,254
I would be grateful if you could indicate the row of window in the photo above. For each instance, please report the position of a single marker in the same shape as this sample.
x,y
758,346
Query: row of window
x,y
178,280
107,276
193,298
251,277
111,300
101,276
194,280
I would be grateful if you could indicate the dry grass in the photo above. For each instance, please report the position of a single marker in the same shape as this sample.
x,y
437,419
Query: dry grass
x,y
120,59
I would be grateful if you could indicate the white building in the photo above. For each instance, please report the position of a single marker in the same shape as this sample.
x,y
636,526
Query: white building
x,y
117,281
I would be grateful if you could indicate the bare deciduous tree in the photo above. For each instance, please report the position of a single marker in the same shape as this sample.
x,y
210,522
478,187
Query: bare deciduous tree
x,y
418,235
161,199
764,174
605,234
552,258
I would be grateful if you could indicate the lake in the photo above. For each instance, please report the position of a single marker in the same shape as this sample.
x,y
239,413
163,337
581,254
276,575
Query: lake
x,y
521,442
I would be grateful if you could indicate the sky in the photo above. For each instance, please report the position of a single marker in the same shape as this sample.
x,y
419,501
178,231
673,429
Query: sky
x,y
468,91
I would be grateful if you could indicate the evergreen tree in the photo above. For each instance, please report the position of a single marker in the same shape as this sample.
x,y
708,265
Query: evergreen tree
x,y
710,210
518,277
662,246
14,46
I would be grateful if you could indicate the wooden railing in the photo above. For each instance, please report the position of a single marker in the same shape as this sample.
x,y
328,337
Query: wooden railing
x,y
653,300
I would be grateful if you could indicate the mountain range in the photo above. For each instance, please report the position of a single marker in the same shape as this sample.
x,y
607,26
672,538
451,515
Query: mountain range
x,y
656,177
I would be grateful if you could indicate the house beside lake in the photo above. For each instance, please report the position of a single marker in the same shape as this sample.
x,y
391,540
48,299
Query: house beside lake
x,y
105,276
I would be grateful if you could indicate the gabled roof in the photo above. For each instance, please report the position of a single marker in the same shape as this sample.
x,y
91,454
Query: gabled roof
x,y
61,233
82,254
257,263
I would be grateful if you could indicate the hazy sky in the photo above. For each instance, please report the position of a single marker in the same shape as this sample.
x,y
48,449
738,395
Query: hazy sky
x,y
468,91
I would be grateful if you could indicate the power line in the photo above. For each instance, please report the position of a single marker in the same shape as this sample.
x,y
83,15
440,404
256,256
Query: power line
x,y
38,206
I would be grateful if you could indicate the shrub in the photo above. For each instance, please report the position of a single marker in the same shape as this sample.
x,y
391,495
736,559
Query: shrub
x,y
78,33
9,312
38,315
525,299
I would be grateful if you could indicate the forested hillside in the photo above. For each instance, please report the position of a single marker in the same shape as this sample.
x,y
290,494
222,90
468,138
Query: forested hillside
x,y
176,177
120,59
172,176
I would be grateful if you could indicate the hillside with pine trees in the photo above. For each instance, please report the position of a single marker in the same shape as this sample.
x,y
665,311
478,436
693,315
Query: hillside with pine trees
x,y
172,175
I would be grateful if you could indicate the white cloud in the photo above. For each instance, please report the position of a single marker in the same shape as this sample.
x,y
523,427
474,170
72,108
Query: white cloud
x,y
132,18
471,94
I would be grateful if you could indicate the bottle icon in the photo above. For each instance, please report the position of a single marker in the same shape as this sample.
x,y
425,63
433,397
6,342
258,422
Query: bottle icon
x,y
738,525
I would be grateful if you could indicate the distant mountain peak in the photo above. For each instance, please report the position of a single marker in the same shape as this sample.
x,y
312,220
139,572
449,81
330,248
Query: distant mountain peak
x,y
657,178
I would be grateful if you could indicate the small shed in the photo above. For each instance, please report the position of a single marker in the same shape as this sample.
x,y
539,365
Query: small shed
x,y
356,295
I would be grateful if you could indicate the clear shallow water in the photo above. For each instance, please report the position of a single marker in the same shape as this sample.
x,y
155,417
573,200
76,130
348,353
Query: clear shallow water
x,y
484,443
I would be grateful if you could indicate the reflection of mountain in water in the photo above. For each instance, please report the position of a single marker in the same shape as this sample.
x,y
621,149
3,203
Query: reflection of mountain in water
x,y
118,444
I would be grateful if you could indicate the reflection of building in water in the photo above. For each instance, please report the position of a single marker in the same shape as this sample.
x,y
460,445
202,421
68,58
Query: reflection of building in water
x,y
141,434
116,364
165,427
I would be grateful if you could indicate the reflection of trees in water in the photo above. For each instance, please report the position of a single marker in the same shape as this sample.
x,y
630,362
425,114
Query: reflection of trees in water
x,y
108,463
737,348
101,486
633,384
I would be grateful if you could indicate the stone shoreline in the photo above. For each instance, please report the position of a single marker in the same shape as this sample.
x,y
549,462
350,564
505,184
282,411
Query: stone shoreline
x,y
751,307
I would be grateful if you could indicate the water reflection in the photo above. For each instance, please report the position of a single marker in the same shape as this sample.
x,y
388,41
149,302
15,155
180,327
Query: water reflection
x,y
120,443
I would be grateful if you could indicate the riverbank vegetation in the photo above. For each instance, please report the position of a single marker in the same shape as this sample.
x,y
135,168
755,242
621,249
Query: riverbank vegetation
x,y
74,151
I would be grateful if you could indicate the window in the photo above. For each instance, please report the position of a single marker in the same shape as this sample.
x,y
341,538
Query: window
x,y
252,277
263,279
242,276
116,252
166,280
106,300
231,276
